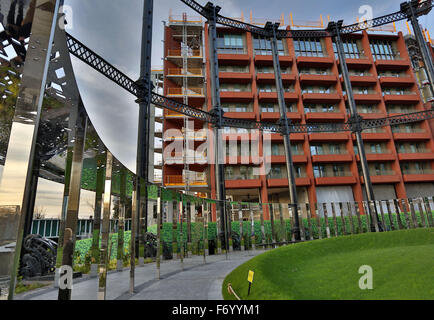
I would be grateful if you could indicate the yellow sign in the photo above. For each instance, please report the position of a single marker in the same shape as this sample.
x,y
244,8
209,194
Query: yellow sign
x,y
250,277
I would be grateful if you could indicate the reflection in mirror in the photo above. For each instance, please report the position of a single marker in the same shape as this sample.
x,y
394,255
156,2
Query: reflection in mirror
x,y
16,185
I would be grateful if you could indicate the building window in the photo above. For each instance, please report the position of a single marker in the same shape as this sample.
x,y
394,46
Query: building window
x,y
319,171
262,46
316,149
310,89
320,108
383,50
231,43
351,49
310,47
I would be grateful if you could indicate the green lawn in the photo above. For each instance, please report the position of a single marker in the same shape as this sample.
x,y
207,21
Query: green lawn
x,y
402,263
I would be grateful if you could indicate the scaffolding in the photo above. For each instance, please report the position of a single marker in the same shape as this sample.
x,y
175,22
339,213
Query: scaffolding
x,y
186,72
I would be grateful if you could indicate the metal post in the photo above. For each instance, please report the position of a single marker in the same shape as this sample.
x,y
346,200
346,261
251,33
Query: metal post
x,y
356,120
215,98
408,8
144,102
285,130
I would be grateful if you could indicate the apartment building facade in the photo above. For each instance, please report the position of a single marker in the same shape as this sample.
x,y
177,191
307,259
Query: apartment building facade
x,y
327,165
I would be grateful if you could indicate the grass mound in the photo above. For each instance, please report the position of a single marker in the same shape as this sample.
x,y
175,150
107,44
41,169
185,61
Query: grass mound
x,y
402,264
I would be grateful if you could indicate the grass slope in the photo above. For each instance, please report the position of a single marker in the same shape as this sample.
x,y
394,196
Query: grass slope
x,y
402,263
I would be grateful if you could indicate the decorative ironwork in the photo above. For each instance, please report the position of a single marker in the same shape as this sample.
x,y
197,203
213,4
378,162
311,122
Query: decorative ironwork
x,y
420,9
39,257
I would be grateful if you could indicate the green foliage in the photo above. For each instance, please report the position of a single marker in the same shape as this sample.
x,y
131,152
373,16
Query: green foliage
x,y
197,233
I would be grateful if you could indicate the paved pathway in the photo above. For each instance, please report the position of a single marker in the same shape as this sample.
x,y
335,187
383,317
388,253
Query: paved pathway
x,y
198,281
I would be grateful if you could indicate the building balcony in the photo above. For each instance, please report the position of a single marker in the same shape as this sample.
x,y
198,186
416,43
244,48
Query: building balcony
x,y
411,135
241,58
177,53
181,159
190,92
384,156
197,136
361,80
346,179
270,78
274,116
321,97
332,158
277,137
318,79
304,61
267,60
416,156
238,159
366,98
325,116
279,181
374,136
418,175
272,96
402,98
180,72
325,137
296,158
358,63
387,176
396,64
241,115
373,115
242,182
235,77
236,96
178,180
397,81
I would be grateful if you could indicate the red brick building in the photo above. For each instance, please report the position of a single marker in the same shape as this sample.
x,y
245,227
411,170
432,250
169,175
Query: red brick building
x,y
326,164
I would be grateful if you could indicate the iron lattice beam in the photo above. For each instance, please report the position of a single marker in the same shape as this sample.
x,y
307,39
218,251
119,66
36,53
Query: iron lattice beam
x,y
420,9
98,63
399,119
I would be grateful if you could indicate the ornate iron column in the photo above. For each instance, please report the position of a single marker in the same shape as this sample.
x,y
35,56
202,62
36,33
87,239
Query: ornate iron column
x,y
144,100
15,187
355,120
410,10
285,129
212,12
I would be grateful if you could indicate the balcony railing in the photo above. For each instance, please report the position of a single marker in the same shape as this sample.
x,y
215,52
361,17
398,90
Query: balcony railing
x,y
241,177
190,53
303,91
420,171
328,152
369,151
283,175
407,130
376,173
319,110
398,93
231,51
419,150
181,72
198,180
333,174
185,91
